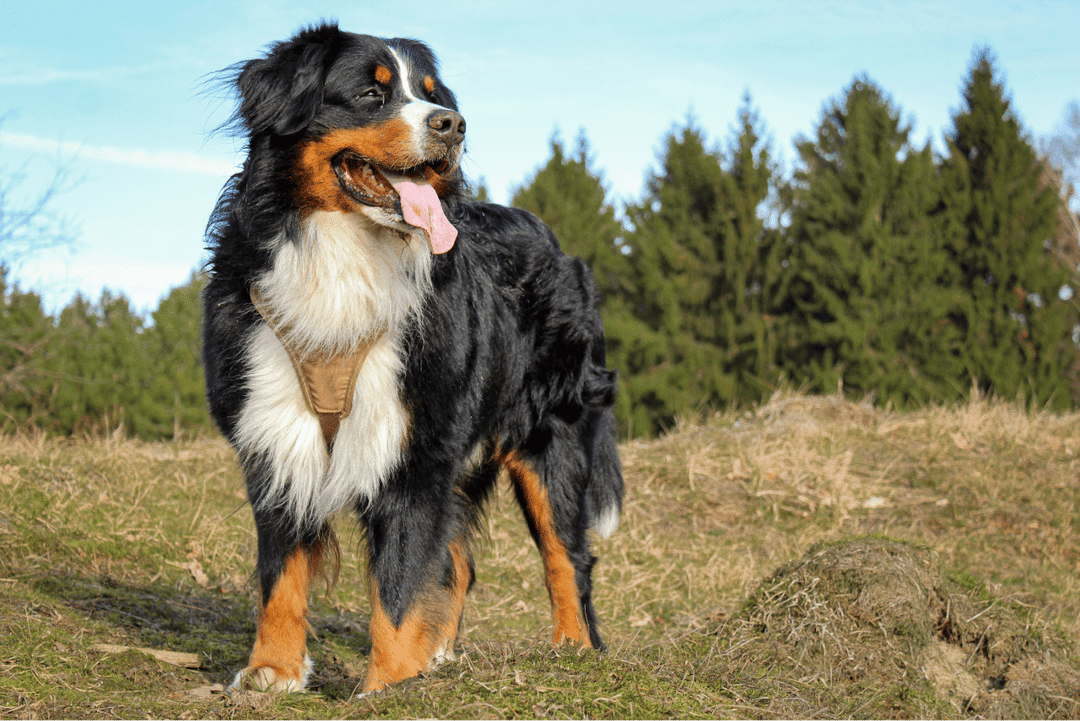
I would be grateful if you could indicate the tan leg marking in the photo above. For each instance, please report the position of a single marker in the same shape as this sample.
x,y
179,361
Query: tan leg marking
x,y
559,573
426,637
279,660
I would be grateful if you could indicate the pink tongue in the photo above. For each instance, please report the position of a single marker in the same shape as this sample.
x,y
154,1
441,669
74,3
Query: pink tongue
x,y
420,207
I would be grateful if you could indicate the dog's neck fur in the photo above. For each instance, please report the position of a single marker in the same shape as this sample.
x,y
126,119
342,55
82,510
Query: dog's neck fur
x,y
332,295
343,280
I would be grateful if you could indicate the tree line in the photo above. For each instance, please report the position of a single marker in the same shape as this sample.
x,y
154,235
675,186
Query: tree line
x,y
99,367
877,267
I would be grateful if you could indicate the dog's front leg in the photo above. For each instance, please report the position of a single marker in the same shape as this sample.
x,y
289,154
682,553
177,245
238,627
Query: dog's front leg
x,y
279,660
418,581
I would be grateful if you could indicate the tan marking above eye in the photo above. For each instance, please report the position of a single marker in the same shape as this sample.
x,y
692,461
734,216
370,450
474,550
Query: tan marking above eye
x,y
383,75
429,84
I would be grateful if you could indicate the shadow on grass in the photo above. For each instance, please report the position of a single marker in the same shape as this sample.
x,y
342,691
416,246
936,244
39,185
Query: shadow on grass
x,y
219,627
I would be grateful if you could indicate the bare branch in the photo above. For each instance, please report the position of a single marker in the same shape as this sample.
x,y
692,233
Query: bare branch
x,y
1063,151
31,226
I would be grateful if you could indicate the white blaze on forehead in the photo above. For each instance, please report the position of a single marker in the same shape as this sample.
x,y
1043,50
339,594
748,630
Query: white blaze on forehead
x,y
403,71
415,111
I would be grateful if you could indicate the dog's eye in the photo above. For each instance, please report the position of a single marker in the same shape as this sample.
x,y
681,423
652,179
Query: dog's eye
x,y
367,97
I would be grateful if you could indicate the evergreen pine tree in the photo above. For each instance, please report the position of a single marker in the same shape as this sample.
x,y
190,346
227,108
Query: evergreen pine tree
x,y
744,291
862,293
101,367
700,254
96,367
25,376
480,191
174,396
68,406
676,365
997,221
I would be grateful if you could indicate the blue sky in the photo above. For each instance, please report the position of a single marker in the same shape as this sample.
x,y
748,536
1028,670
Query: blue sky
x,y
114,91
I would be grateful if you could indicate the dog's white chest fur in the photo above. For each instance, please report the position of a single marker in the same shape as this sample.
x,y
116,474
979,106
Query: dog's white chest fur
x,y
338,284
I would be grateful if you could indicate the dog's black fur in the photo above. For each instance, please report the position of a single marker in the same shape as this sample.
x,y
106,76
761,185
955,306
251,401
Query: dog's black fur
x,y
502,357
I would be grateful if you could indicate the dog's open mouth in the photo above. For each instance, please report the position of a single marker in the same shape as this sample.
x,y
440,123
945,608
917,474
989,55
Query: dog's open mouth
x,y
410,194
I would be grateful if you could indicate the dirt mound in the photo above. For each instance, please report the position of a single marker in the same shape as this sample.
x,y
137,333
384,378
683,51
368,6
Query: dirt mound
x,y
875,613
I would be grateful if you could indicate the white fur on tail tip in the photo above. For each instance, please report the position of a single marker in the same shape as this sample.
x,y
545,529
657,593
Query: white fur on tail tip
x,y
607,521
265,679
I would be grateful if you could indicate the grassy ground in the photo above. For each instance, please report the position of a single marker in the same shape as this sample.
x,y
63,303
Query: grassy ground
x,y
812,558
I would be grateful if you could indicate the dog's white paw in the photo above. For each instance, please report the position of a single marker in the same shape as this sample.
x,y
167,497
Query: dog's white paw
x,y
267,680
442,655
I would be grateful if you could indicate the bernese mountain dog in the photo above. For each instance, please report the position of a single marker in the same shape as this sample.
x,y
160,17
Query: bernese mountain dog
x,y
378,341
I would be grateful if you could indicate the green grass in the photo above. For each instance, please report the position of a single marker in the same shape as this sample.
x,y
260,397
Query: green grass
x,y
757,573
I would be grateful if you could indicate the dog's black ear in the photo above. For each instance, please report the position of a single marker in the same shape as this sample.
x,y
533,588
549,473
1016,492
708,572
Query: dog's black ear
x,y
281,92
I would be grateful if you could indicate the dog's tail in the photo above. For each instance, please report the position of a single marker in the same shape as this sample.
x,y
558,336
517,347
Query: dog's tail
x,y
605,491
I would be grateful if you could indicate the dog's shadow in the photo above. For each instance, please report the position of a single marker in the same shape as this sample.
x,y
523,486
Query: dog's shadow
x,y
219,626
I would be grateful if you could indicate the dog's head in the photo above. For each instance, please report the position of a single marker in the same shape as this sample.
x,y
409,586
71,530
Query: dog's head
x,y
358,117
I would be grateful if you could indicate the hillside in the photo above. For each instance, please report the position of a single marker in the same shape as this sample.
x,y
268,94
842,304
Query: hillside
x,y
809,558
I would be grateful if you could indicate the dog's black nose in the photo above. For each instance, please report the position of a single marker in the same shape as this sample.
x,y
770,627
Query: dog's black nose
x,y
448,126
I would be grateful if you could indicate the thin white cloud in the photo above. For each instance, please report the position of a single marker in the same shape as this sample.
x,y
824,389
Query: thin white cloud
x,y
159,160
14,75
18,70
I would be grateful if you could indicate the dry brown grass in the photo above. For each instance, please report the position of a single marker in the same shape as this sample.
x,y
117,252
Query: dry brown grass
x,y
990,486
151,545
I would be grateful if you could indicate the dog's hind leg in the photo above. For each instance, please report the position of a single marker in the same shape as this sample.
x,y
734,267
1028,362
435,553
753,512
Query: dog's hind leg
x,y
551,493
